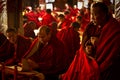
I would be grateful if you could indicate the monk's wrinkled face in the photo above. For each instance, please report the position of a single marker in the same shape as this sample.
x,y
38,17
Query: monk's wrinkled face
x,y
43,37
97,16
12,37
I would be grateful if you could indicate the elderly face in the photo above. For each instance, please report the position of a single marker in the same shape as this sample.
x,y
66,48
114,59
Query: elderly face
x,y
98,17
12,37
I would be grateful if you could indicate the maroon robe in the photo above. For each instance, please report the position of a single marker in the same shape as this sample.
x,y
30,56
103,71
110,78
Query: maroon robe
x,y
71,39
82,68
108,50
6,51
29,29
2,39
51,57
23,45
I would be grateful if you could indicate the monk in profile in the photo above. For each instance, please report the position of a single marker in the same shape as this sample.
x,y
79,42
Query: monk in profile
x,y
19,44
108,46
47,55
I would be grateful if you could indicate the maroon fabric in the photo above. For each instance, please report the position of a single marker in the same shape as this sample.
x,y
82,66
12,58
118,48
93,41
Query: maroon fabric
x,y
2,39
108,48
84,23
23,45
6,51
71,39
51,58
91,30
29,29
82,68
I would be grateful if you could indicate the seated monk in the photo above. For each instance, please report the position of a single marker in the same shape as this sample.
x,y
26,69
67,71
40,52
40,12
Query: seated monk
x,y
20,46
46,55
63,23
48,18
71,39
108,46
84,66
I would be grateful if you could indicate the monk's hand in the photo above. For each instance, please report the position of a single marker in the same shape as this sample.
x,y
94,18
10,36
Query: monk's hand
x,y
33,64
25,65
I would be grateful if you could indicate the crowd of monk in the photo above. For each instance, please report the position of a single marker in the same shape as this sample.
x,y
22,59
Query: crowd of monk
x,y
56,50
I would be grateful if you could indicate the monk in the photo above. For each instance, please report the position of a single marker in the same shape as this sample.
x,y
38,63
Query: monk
x,y
71,39
29,27
108,48
47,18
84,65
20,45
63,23
47,55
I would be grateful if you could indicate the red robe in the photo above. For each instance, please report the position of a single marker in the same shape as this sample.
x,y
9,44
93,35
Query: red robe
x,y
108,50
82,68
71,39
84,23
33,16
47,19
51,57
23,45
65,24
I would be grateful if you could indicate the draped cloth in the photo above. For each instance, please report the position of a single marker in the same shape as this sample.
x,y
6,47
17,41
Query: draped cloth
x,y
20,49
71,39
2,39
82,68
6,51
51,58
47,19
108,50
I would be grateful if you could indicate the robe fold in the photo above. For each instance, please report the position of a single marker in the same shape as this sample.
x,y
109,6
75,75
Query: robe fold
x,y
23,45
2,39
82,68
65,24
108,50
47,19
71,39
6,51
51,58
